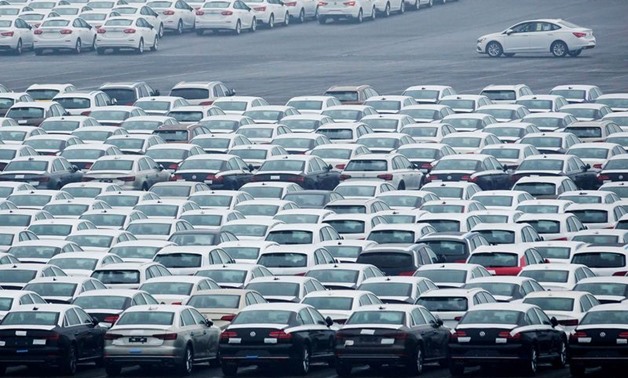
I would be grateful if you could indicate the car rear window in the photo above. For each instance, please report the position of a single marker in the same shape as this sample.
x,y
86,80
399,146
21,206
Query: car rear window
x,y
387,259
494,260
552,304
334,275
377,317
443,225
224,275
190,93
290,237
444,304
591,216
605,317
283,260
275,288
347,226
52,289
446,247
544,275
600,259
117,276
554,252
585,132
501,201
367,165
388,289
536,188
122,96
392,236
500,95
343,95
329,303
146,318
179,260
245,253
545,226
214,301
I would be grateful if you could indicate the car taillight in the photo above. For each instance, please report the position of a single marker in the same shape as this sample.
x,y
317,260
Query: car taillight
x,y
168,12
400,336
509,336
260,9
430,178
291,4
87,113
112,319
385,176
345,177
101,31
126,178
129,31
88,165
173,166
176,178
619,274
228,318
214,178
427,166
226,13
407,273
228,334
200,13
340,166
280,335
112,336
65,31
623,335
579,34
598,165
349,3
568,322
7,34
578,335
456,334
205,103
299,179
38,31
322,3
166,336
53,336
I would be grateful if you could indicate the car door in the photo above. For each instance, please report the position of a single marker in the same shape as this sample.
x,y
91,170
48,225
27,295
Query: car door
x,y
517,38
190,330
79,332
205,335
323,334
310,330
94,343
25,31
440,336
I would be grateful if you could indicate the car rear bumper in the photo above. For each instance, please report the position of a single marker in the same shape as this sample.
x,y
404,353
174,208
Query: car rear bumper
x,y
257,354
486,353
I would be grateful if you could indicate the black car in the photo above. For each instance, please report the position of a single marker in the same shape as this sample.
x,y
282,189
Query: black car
x,y
558,165
484,170
509,334
266,335
398,260
106,305
615,169
201,237
313,199
397,334
311,172
453,246
219,171
45,335
42,172
600,340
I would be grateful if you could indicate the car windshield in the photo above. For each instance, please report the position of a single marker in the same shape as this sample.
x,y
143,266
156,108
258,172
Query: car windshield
x,y
384,105
500,95
447,247
244,253
616,164
282,166
7,154
494,259
554,252
444,225
336,134
100,241
536,189
439,208
329,303
18,275
131,125
252,229
380,142
215,301
213,143
422,94
357,190
224,275
552,304
584,113
202,239
52,289
286,289
213,200
459,104
462,142
443,275
112,302
295,142
171,191
494,200
492,317
283,260
301,124
402,201
51,126
544,275
137,252
26,166
334,275
173,135
343,95
263,317
146,318
600,259
15,220
265,115
498,236
545,226
344,251
256,132
203,164
388,289
603,288
387,259
353,115
117,276
377,317
505,131
34,251
85,263
590,153
444,304
25,113
611,317
570,93
180,260
258,210
585,132
502,153
13,135
5,303
46,144
465,123
306,104
495,288
112,165
38,318
347,226
50,229
78,192
168,288
367,165
419,153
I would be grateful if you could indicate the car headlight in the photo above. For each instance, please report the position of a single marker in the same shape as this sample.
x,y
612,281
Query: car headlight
x,y
482,39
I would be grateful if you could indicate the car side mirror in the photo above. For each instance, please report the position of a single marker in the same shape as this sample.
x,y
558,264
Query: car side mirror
x,y
251,168
329,167
74,168
509,31
160,167
554,321
505,168
546,261
437,323
208,323
442,259
94,322
231,91
586,167
156,92
329,321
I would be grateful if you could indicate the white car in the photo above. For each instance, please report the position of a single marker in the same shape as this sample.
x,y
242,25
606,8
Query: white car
x,y
126,33
537,36
176,289
302,9
81,264
569,307
354,226
143,11
73,34
501,199
603,260
311,104
13,299
556,276
339,304
339,276
15,35
232,15
176,15
269,12
293,260
394,168
451,304
98,17
338,154
346,10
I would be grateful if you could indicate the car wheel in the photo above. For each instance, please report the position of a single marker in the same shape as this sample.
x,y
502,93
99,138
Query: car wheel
x,y
316,13
301,16
444,2
577,370
145,187
456,370
561,360
140,47
253,25
160,32
402,8
322,20
155,46
302,365
68,367
574,53
238,28
343,369
373,14
416,366
559,49
416,5
18,47
494,49
360,17
387,10
229,369
113,370
77,47
531,365
271,21
186,365
100,51
286,19
431,3
180,27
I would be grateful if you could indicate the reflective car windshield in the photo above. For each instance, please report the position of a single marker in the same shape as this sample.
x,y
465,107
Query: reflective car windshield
x,y
146,318
40,318
377,317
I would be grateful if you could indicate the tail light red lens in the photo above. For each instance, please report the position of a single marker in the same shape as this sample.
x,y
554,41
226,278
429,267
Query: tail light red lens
x,y
577,335
228,334
168,12
166,336
260,9
579,34
457,334
38,31
340,166
7,34
619,274
509,336
349,3
112,336
205,103
623,335
280,335
345,177
603,177
408,273
226,13
385,176
568,322
598,165
127,178
53,336
87,113
101,31
200,13
65,31
129,31
112,319
228,318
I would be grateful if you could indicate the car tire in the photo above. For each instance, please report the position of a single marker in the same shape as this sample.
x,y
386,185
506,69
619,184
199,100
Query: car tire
x,y
286,19
360,17
559,49
301,18
374,14
186,365
577,370
494,49
401,186
229,369
68,366
100,51
402,7
415,366
145,187
456,370
530,366
253,27
271,21
387,10
431,4
77,47
574,53
140,47
113,370
238,28
322,20
18,48
561,360
343,369
180,27
160,32
302,365
155,46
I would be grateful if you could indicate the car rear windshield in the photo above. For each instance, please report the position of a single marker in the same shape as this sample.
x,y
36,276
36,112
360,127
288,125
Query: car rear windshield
x,y
282,166
542,141
335,134
600,259
597,239
306,104
387,259
545,226
582,199
263,317
344,251
585,132
356,190
122,96
444,225
51,126
190,93
383,124
554,252
367,165
301,124
50,229
161,210
329,303
98,241
537,209
465,123
604,317
266,115
377,317
52,289
459,104
168,288
447,247
541,165
536,188
616,164
25,113
494,200
224,275
17,275
34,251
112,302
570,93
15,220
347,226
5,304
283,289
392,236
26,166
258,210
422,114
75,263
591,216
419,153
180,260
500,95
113,165
536,104
245,253
492,317
203,220
384,104
40,318
443,275
444,304
402,201
149,228
173,135
495,259
146,318
495,288
297,218
603,288
138,252
283,260
343,95
214,301
388,289
119,200
117,276
247,230
264,191
547,275
442,208
446,192
334,275
552,304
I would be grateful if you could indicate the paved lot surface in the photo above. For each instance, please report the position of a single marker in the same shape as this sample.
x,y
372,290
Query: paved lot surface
x,y
432,46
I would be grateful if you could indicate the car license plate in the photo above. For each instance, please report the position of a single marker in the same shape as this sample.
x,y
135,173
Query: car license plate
x,y
275,177
34,183
22,351
22,121
251,357
209,181
135,351
137,339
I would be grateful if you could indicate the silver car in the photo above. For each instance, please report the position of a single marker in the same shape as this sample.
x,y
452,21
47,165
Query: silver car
x,y
128,171
168,335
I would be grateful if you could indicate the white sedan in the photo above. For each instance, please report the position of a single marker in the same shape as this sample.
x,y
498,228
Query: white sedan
x,y
64,34
302,9
537,36
269,12
346,10
232,15
15,35
146,12
176,15
126,33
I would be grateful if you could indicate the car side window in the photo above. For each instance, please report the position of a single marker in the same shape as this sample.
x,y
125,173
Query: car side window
x,y
71,319
543,318
26,300
186,318
305,316
197,317
532,318
417,318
